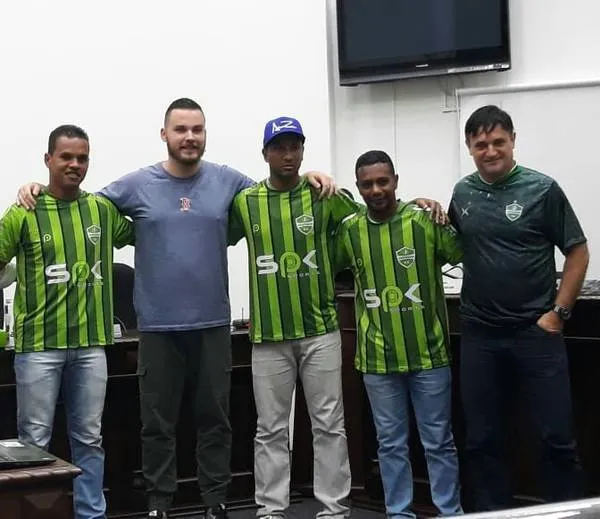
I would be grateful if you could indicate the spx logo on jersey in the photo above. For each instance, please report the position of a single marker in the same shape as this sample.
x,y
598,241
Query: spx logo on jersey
x,y
305,224
93,233
405,256
80,273
288,265
391,298
513,211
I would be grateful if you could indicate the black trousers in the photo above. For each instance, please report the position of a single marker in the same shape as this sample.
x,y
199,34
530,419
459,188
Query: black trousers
x,y
168,362
531,364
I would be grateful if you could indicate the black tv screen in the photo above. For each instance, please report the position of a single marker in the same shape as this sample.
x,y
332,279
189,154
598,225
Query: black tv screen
x,y
383,40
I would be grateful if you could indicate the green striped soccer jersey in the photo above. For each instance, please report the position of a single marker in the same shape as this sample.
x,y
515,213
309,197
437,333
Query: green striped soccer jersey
x,y
401,317
64,251
289,236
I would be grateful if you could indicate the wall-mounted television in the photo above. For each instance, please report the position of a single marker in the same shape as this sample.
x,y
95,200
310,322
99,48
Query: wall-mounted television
x,y
384,40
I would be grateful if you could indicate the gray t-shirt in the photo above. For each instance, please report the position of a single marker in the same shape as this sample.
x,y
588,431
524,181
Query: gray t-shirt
x,y
181,279
508,231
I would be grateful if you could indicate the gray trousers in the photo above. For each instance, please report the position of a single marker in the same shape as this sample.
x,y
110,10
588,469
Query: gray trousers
x,y
275,368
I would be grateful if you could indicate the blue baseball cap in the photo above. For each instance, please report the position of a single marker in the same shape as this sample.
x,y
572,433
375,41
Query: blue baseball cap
x,y
282,125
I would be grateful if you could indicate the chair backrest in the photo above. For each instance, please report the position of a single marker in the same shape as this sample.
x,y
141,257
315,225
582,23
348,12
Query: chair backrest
x,y
123,296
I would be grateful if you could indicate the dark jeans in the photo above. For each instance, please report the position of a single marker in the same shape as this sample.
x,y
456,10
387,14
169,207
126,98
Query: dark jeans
x,y
493,360
168,361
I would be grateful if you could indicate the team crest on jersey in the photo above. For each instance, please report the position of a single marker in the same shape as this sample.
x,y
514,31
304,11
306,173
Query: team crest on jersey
x,y
93,233
305,224
405,256
513,211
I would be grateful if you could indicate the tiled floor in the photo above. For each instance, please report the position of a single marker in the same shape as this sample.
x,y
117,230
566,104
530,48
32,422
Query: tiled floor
x,y
304,509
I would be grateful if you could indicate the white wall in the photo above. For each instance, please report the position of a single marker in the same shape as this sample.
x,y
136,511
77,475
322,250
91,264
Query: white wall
x,y
551,41
113,67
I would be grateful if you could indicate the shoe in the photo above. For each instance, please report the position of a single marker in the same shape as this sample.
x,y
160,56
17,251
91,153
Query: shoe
x,y
216,512
155,514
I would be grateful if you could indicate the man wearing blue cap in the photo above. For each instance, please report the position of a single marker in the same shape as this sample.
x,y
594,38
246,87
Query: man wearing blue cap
x,y
294,321
180,207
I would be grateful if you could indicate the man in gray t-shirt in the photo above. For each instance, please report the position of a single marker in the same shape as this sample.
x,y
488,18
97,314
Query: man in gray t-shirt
x,y
180,209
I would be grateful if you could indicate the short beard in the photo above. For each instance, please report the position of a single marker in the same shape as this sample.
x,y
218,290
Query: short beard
x,y
173,154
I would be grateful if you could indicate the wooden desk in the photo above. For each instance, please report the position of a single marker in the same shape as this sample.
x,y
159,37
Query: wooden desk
x,y
38,492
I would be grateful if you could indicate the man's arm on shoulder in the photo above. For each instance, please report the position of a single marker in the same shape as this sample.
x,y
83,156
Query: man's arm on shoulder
x,y
434,208
240,181
28,194
446,243
323,183
121,193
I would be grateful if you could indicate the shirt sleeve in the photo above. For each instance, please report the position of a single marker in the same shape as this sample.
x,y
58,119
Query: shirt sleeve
x,y
447,244
562,226
235,230
10,231
341,207
453,213
342,259
123,228
121,192
241,181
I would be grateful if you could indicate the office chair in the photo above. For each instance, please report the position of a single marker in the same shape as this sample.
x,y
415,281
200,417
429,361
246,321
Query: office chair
x,y
123,296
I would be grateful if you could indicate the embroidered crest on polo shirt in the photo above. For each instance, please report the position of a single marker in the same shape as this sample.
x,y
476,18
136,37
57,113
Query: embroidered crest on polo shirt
x,y
93,233
186,204
305,224
405,256
513,211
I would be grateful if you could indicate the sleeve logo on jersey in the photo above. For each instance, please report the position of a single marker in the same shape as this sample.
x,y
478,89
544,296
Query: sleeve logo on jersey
x,y
391,298
80,274
405,256
93,233
305,224
289,264
513,211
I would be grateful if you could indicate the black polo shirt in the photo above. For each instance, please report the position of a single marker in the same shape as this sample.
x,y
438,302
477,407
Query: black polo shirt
x,y
508,231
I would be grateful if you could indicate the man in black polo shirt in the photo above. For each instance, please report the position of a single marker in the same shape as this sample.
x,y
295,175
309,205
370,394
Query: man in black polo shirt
x,y
510,218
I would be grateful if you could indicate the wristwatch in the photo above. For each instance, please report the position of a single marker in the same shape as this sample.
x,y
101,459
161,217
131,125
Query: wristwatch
x,y
563,312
